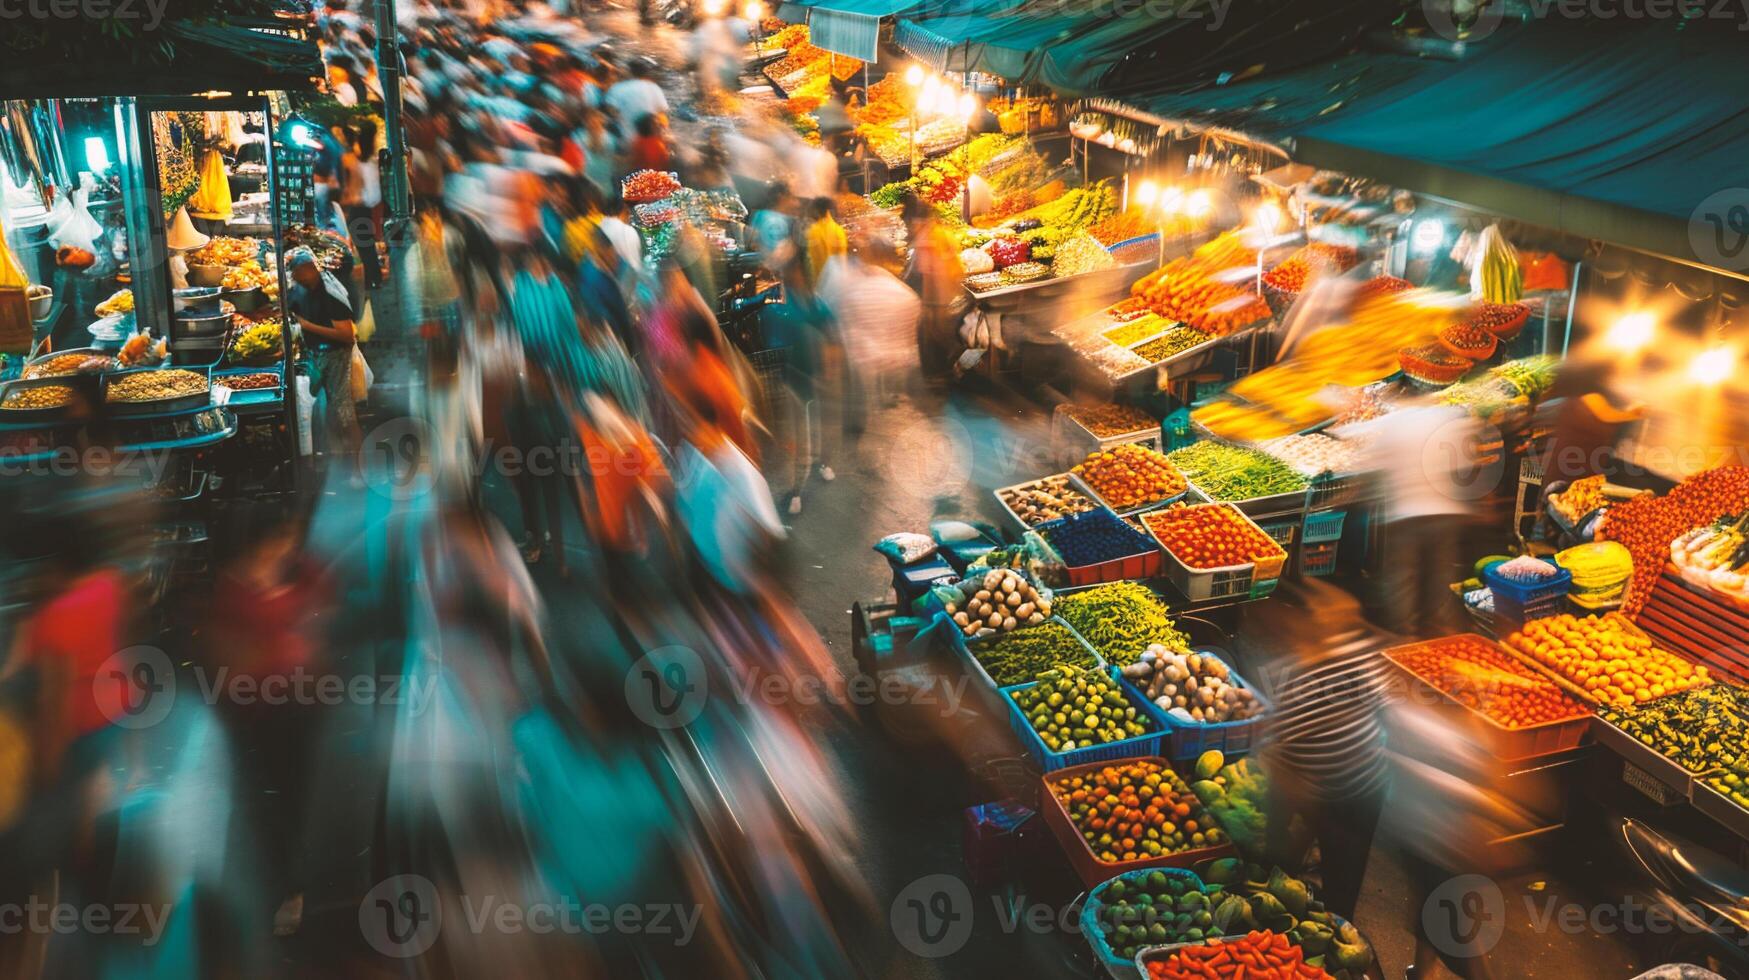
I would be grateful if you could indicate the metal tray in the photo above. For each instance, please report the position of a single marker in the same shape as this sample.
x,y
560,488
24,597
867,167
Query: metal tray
x,y
1091,494
1716,805
1644,757
55,413
1016,519
162,405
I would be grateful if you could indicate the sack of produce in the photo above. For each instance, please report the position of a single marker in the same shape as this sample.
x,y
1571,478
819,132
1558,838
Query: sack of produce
x,y
976,261
906,547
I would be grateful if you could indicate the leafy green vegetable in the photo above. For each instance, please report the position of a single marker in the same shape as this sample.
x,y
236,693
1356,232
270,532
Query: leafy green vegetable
x,y
1235,473
1121,620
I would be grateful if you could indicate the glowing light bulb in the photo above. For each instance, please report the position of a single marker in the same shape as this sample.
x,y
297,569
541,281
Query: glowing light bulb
x,y
1199,204
914,76
754,11
1631,332
968,106
1711,367
1147,193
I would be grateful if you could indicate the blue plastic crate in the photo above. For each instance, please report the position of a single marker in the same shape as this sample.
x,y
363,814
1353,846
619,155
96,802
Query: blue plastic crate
x,y
1318,558
964,647
1188,739
1281,532
1520,595
1117,966
1323,526
1129,748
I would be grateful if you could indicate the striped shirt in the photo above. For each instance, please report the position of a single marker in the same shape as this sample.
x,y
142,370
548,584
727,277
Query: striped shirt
x,y
1326,722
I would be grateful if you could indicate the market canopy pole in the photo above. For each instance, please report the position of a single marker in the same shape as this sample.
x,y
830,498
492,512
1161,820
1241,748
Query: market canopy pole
x,y
395,190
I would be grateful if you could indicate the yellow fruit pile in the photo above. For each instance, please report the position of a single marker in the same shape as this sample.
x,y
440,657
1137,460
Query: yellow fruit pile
x,y
1607,658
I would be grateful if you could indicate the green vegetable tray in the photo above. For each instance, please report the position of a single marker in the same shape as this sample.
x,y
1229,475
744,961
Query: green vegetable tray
x,y
1128,748
1117,966
966,647
1088,867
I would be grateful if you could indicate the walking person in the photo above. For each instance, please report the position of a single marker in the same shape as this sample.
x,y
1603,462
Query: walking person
x,y
318,301
360,193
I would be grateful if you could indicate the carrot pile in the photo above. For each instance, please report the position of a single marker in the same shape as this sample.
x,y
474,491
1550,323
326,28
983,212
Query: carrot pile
x,y
1259,956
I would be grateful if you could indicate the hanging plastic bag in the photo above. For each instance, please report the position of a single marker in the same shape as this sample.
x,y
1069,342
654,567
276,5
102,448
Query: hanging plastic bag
x,y
362,377
366,327
306,409
212,201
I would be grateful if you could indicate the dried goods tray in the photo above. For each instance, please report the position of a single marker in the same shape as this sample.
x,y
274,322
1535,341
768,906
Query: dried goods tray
x,y
27,415
1147,744
1188,353
1645,758
1089,868
1016,519
1506,744
1148,436
159,406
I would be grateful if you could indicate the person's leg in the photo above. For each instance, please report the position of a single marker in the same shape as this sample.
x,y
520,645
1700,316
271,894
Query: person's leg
x,y
337,383
1345,835
1440,547
361,225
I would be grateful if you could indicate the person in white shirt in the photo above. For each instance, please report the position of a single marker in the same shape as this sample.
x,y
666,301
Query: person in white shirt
x,y
622,235
877,318
633,98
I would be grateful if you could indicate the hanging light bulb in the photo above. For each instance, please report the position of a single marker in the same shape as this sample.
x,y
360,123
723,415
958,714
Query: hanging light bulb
x,y
1147,192
1199,204
914,76
968,106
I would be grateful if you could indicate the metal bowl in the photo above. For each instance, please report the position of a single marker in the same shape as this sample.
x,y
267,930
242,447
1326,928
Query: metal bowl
x,y
41,298
203,325
245,300
206,275
195,301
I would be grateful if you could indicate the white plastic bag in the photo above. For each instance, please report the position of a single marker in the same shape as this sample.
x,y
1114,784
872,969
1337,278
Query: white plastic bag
x,y
71,223
306,409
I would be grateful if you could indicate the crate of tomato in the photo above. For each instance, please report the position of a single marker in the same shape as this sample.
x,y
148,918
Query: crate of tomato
x,y
1519,713
1113,817
1213,551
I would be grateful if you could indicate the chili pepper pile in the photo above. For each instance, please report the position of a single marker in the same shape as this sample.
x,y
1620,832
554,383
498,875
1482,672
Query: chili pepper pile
x,y
1121,620
1469,340
1021,656
1433,364
1647,524
1258,955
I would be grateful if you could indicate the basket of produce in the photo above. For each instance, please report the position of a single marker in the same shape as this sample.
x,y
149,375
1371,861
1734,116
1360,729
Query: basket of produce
x,y
1129,478
36,399
1172,343
1259,954
656,213
1105,425
1469,341
1097,546
258,346
1605,660
645,186
1701,730
1291,276
1118,922
1517,712
1203,703
1214,551
1259,484
1177,834
1120,620
1525,580
1432,364
996,600
1075,715
1503,320
154,390
1006,659
1042,500
1383,285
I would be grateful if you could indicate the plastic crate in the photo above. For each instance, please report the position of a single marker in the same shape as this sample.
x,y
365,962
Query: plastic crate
x,y
966,648
1318,559
1506,744
1282,531
1117,966
1263,587
1089,868
1323,526
1218,583
1145,563
1335,490
1525,596
1186,740
1129,748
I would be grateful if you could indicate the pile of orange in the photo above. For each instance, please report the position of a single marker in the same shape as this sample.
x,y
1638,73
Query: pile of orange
x,y
1129,476
1607,658
1132,810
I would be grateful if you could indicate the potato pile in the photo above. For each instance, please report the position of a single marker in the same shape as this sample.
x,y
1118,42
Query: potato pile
x,y
1045,500
1198,686
1005,601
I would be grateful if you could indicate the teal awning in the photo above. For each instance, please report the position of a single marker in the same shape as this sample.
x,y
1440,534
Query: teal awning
x,y
853,35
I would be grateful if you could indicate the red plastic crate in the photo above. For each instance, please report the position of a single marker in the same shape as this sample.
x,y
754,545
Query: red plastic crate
x,y
1506,744
1089,868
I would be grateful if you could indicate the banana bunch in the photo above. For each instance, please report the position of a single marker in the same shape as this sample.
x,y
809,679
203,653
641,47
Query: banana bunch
x,y
1497,277
258,341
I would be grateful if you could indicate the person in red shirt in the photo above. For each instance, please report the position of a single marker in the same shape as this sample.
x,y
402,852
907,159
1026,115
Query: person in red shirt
x,y
649,149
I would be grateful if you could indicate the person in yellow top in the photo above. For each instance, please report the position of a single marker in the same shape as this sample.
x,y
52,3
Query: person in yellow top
x,y
826,238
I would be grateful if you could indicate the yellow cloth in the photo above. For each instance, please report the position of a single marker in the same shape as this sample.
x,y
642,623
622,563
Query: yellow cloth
x,y
213,200
826,238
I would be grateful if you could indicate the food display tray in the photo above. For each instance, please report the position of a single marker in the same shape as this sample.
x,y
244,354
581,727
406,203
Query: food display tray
x,y
1720,807
1016,519
966,647
1229,581
1089,868
1271,508
1145,563
1645,758
1092,494
1506,744
1188,739
26,415
159,406
1072,431
1128,748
